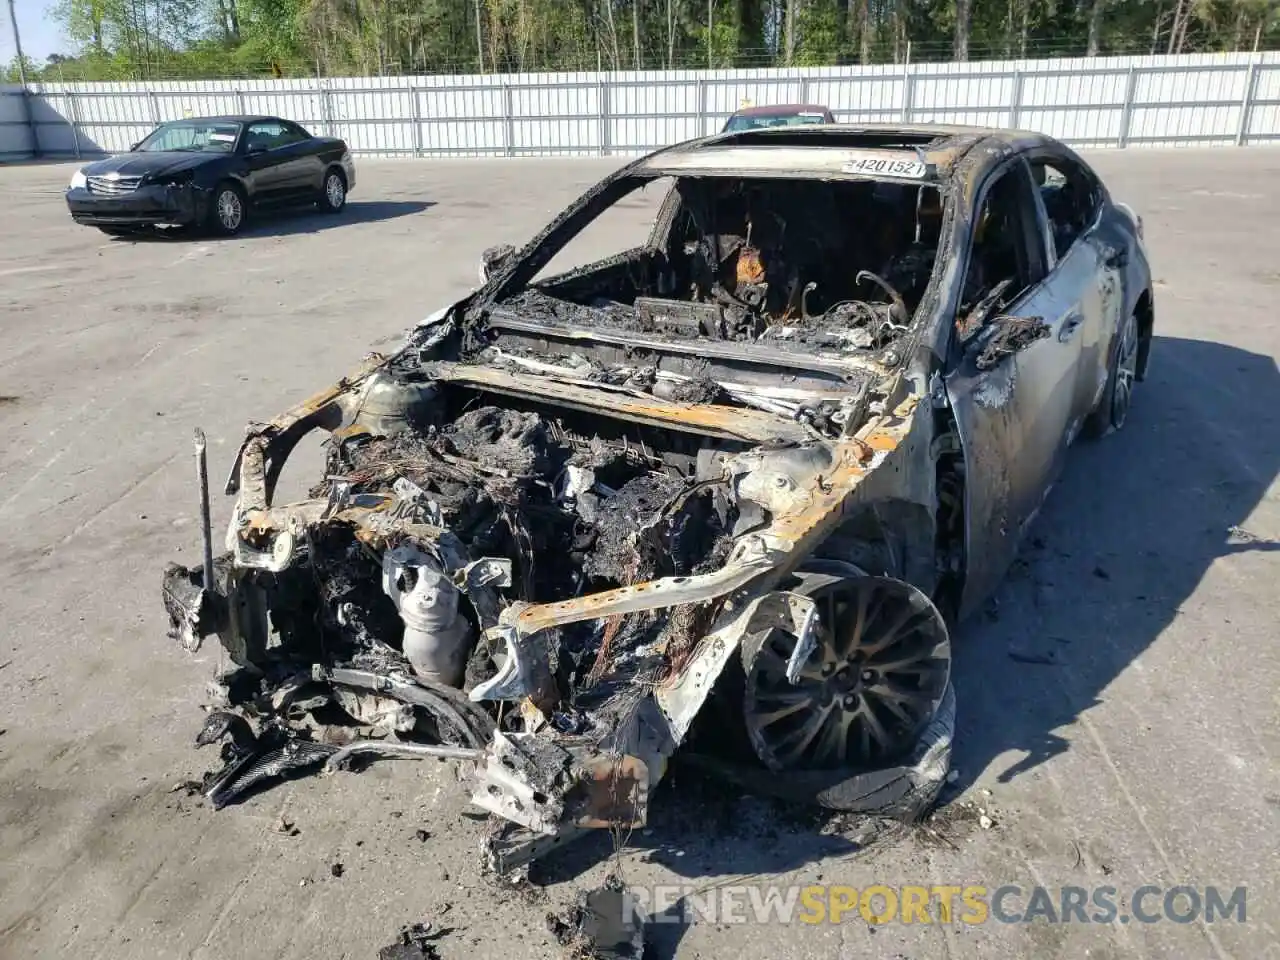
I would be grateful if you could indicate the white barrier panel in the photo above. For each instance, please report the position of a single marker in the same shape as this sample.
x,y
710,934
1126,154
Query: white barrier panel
x,y
1101,101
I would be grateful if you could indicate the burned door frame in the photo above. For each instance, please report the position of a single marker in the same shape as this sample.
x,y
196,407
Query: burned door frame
x,y
1014,418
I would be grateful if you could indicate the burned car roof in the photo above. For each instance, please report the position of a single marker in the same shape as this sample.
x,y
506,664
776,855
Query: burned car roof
x,y
821,150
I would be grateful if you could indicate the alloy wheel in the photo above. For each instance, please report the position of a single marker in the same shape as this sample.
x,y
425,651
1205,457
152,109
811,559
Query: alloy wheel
x,y
230,210
334,191
877,674
1126,372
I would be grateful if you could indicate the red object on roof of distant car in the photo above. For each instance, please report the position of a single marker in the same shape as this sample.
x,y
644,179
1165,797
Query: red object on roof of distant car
x,y
778,115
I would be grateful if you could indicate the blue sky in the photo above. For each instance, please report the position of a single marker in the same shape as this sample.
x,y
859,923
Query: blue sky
x,y
40,35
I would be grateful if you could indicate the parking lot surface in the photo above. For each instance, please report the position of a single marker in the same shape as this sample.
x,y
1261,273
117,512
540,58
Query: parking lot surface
x,y
1119,722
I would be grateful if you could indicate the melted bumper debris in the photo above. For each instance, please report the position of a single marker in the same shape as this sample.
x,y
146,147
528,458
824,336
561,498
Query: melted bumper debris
x,y
603,924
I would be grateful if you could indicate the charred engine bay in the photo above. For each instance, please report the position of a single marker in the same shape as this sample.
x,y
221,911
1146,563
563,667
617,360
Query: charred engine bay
x,y
797,264
575,514
577,503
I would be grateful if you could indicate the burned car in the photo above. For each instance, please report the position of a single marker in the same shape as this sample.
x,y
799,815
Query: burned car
x,y
739,478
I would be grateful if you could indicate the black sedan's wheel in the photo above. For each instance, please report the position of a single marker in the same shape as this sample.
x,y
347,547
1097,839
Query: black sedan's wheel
x,y
333,195
873,681
228,210
1113,409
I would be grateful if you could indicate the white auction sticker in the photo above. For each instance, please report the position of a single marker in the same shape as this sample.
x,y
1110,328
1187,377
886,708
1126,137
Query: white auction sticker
x,y
874,165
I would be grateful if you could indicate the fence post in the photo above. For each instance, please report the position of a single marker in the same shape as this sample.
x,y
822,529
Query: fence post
x,y
155,107
240,103
508,121
1246,103
908,93
1015,103
702,106
73,109
25,97
326,111
804,89
416,113
602,100
1126,115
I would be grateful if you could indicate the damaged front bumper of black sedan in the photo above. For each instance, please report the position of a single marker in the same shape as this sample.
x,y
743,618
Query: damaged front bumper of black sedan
x,y
550,581
143,205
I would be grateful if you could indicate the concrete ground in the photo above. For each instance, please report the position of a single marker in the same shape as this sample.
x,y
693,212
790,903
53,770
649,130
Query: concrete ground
x,y
1145,752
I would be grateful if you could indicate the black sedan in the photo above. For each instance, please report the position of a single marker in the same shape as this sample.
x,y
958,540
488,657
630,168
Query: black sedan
x,y
209,172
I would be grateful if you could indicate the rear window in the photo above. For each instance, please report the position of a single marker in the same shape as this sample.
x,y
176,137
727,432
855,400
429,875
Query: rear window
x,y
762,121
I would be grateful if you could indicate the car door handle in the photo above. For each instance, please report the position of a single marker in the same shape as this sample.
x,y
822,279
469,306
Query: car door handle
x,y
1070,324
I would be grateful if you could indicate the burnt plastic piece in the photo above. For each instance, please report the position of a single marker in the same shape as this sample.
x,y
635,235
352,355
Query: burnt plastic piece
x,y
194,611
606,923
1011,335
250,760
680,317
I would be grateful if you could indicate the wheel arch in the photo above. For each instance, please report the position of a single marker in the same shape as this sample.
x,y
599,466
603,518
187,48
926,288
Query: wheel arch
x,y
1144,309
333,166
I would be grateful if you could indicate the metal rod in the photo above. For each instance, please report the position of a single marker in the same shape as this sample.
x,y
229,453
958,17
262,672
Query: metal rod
x,y
401,751
27,111
206,536
17,42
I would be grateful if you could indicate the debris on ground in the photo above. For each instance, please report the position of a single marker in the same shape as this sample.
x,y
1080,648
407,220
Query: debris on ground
x,y
1237,535
1047,658
286,827
415,942
606,923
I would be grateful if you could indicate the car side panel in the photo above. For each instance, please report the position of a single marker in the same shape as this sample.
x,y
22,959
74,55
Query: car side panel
x,y
313,152
1015,418
264,177
1014,422
1116,234
1087,295
300,169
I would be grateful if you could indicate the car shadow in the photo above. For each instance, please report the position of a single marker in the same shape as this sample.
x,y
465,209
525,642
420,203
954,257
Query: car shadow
x,y
292,220
1123,541
287,221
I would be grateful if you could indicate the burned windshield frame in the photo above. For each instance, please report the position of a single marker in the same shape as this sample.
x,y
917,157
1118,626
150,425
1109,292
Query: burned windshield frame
x,y
899,285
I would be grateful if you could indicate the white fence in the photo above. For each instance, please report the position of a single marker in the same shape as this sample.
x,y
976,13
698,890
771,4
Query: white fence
x,y
1112,101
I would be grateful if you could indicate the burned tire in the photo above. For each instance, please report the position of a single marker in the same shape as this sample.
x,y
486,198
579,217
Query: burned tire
x,y
903,791
1113,409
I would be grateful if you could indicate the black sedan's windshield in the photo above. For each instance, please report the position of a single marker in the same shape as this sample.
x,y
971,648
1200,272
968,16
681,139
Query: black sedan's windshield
x,y
193,136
